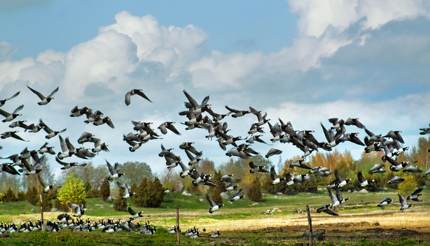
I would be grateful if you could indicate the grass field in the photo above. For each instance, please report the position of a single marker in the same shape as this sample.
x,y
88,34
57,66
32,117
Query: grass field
x,y
360,222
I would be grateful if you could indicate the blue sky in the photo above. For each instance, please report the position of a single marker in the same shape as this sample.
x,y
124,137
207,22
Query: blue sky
x,y
300,60
59,25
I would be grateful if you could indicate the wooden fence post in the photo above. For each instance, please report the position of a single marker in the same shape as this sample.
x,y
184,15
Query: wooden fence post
x,y
41,210
178,232
311,239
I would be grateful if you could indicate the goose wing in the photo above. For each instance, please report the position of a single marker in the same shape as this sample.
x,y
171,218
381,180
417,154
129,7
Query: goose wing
x,y
54,91
19,108
40,95
142,94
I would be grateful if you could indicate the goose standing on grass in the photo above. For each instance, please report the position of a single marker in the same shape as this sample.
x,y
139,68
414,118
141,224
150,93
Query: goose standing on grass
x,y
133,92
78,209
3,101
44,99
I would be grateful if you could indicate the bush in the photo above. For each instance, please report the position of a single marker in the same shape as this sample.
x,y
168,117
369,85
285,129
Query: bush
x,y
9,196
254,191
32,195
119,203
156,194
215,192
105,189
72,191
149,193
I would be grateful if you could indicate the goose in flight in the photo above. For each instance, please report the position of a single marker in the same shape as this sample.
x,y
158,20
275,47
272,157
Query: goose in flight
x,y
415,196
326,209
3,101
11,134
50,133
273,152
44,99
403,203
46,188
386,201
67,148
113,171
133,92
168,125
134,214
67,165
11,116
213,205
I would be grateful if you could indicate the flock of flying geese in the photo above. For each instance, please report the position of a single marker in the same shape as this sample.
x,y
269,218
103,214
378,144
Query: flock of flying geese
x,y
200,115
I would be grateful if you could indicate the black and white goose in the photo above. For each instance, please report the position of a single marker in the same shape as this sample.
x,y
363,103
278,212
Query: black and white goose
x,y
78,209
49,132
275,178
11,134
67,148
326,209
377,168
338,182
362,182
213,205
300,163
67,165
3,101
168,125
215,234
185,170
395,180
403,203
415,196
257,168
126,190
134,214
46,188
386,201
11,116
46,149
114,172
336,198
273,152
235,113
236,196
44,99
133,92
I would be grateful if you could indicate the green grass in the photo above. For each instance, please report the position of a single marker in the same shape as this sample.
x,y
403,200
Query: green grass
x,y
194,212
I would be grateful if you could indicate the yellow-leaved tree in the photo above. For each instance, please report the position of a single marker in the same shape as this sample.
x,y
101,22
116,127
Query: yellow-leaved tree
x,y
72,191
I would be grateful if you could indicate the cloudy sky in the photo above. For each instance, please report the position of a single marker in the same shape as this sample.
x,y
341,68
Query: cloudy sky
x,y
300,60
